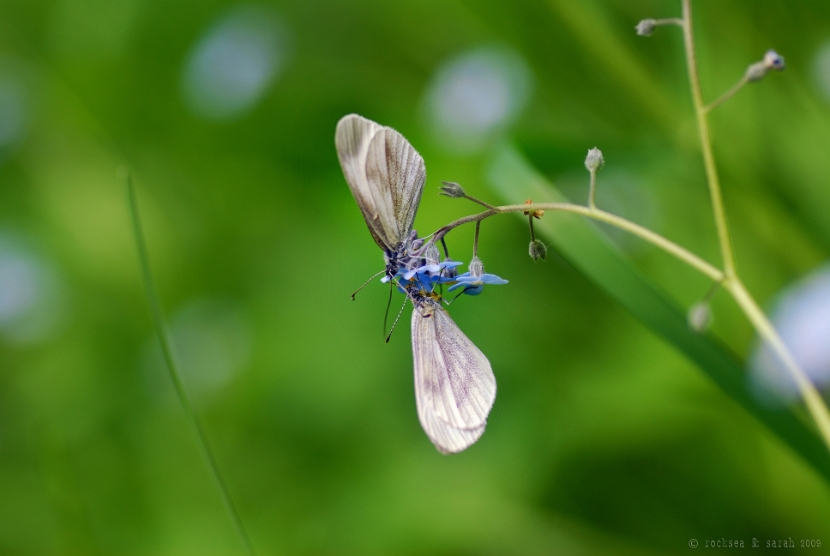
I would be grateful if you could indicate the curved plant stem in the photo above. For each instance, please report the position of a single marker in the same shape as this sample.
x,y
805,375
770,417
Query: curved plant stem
x,y
816,406
167,350
812,398
592,194
706,144
596,214
728,94
733,284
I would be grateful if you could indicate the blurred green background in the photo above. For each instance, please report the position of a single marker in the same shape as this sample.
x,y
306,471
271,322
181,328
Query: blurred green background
x,y
603,440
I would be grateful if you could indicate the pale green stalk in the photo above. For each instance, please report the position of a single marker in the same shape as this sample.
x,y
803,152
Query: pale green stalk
x,y
167,350
812,399
618,222
732,283
592,192
728,94
706,145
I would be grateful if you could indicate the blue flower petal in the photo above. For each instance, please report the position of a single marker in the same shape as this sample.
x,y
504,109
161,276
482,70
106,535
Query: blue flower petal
x,y
473,285
492,279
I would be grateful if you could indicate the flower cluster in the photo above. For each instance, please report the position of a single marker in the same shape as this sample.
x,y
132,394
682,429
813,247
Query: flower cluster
x,y
421,270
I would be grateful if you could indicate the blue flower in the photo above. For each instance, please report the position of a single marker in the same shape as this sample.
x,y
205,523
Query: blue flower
x,y
473,281
428,275
425,277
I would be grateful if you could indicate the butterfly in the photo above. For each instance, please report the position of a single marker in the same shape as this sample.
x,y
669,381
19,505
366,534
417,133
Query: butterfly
x,y
386,176
454,383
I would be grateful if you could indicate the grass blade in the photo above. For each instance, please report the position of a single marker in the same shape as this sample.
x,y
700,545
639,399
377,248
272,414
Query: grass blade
x,y
167,350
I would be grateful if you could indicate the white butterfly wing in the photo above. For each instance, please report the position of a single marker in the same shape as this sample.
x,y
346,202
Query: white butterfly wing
x,y
394,165
454,383
385,174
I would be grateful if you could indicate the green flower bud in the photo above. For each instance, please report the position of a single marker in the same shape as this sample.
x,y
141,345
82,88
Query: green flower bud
x,y
538,250
594,160
452,189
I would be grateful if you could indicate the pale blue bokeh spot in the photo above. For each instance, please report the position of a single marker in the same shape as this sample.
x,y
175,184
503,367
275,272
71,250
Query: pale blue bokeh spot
x,y
802,318
476,95
234,64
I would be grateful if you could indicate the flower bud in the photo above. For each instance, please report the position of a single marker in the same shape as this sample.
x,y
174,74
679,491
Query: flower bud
x,y
594,160
476,267
773,60
646,27
756,71
538,250
431,255
699,317
452,189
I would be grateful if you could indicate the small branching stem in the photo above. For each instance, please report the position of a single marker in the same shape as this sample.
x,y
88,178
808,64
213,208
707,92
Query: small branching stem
x,y
731,282
706,145
592,194
710,293
669,21
480,202
618,222
726,278
727,95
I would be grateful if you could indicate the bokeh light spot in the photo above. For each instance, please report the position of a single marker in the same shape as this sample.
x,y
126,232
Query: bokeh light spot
x,y
802,318
212,341
232,66
32,300
476,95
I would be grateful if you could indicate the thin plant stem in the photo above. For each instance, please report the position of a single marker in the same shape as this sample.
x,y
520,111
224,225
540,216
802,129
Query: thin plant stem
x,y
813,401
727,95
618,222
710,293
732,282
812,398
706,144
479,201
475,241
669,21
593,191
157,316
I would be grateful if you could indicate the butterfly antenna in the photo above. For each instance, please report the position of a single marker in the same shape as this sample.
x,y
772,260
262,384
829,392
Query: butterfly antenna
x,y
366,282
457,296
441,275
388,304
394,324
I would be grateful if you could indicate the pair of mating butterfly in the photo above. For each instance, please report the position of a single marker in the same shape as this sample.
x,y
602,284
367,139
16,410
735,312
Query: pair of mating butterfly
x,y
454,383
